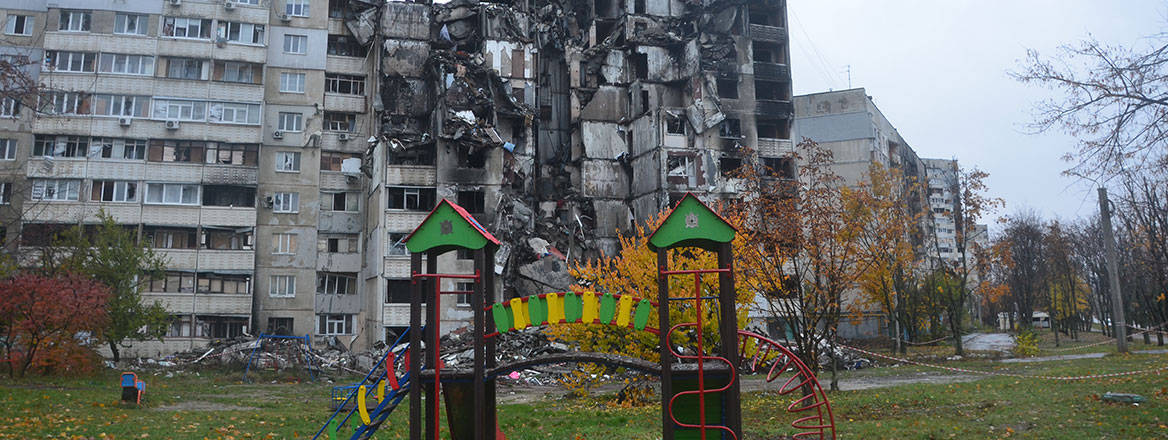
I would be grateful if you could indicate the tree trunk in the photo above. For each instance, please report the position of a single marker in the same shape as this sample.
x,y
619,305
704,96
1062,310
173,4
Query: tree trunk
x,y
1054,328
1160,338
114,349
1147,338
955,327
834,364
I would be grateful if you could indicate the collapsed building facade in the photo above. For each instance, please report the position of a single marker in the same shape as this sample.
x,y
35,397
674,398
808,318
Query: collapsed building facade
x,y
559,125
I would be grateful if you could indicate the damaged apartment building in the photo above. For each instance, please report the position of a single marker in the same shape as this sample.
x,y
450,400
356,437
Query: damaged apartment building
x,y
559,124
277,152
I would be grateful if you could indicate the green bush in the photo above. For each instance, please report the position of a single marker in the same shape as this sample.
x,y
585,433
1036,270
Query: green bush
x,y
1027,344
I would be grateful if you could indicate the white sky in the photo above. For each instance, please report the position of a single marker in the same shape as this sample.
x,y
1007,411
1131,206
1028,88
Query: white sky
x,y
937,70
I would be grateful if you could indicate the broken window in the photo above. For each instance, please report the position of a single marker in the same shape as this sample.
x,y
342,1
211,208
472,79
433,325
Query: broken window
x,y
228,284
413,156
731,129
338,8
410,198
41,234
639,6
781,167
773,129
337,243
175,151
728,88
770,90
114,191
730,166
340,283
471,157
232,154
344,84
398,292
473,201
682,167
238,72
340,202
674,124
280,326
332,160
345,46
463,299
765,52
229,195
220,327
169,238
227,239
397,244
640,63
766,17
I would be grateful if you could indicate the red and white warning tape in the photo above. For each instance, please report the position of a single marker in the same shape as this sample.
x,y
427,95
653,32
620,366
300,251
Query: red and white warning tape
x,y
995,373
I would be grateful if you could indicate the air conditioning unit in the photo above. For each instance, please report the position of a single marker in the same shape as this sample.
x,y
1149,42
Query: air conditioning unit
x,y
125,121
284,17
175,2
220,41
229,5
277,134
172,124
268,202
344,137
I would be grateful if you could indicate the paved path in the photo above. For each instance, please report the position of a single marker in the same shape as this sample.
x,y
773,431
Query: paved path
x,y
988,342
1066,357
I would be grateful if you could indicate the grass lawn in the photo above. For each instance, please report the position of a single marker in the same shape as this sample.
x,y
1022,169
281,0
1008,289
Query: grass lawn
x,y
218,405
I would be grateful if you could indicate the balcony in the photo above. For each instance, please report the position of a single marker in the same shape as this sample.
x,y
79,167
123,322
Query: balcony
x,y
335,180
179,259
228,216
768,33
347,65
772,71
397,267
174,172
210,259
201,304
57,167
774,108
338,262
774,147
411,175
397,314
344,103
230,175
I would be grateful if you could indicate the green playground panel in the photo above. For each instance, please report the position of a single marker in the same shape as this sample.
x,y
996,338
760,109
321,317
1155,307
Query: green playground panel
x,y
685,408
607,308
534,311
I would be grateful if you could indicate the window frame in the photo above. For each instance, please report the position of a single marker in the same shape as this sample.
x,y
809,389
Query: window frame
x,y
284,243
8,147
204,29
291,166
285,119
166,187
289,286
287,85
297,8
145,64
71,190
122,21
286,203
126,189
27,25
224,30
296,44
84,20
334,81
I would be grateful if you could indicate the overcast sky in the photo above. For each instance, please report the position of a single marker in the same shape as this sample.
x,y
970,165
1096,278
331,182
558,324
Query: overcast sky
x,y
937,70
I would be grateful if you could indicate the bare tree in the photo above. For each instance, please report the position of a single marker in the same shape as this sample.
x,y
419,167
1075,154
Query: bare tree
x,y
1113,99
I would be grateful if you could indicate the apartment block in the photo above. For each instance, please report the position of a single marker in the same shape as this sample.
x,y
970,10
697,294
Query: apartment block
x,y
279,151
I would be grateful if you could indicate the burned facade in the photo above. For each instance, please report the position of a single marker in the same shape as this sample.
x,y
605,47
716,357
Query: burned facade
x,y
561,124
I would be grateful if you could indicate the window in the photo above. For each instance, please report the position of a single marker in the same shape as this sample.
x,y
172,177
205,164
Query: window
x,y
765,52
463,299
338,8
229,195
181,27
230,71
770,90
288,161
222,153
172,194
341,202
730,166
342,122
345,46
130,24
291,82
412,199
227,239
18,25
233,113
246,33
184,68
341,243
9,108
75,21
7,149
332,160
334,325
773,129
730,129
228,284
280,326
296,44
286,202
328,283
282,286
56,189
180,327
174,282
170,238
121,105
398,292
296,8
114,191
397,244
5,197
220,327
69,61
473,201
66,103
344,84
60,146
179,110
126,64
728,88
283,243
290,122
681,168
176,151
